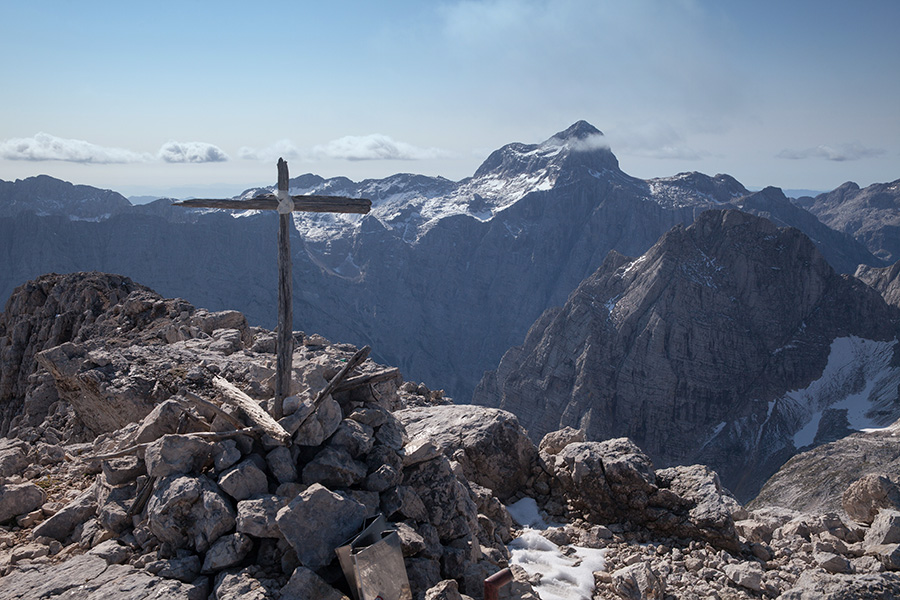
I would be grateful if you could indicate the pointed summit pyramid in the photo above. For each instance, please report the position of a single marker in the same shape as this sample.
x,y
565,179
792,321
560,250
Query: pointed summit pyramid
x,y
581,144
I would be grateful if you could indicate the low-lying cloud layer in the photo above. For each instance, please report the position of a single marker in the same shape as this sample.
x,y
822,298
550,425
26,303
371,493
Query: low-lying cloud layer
x,y
840,153
191,152
375,146
45,147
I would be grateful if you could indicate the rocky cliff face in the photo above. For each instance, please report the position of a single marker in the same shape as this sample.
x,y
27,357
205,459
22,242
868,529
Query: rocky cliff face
x,y
722,344
871,215
44,195
886,280
441,278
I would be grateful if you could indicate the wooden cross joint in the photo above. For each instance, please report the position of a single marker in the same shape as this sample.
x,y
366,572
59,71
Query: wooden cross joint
x,y
284,341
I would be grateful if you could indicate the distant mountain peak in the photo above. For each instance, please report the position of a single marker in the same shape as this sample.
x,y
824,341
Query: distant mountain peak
x,y
580,130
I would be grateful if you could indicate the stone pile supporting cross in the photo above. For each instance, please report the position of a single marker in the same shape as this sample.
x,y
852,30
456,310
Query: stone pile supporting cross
x,y
285,204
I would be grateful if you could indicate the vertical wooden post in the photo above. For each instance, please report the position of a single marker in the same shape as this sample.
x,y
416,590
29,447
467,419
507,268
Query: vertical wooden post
x,y
284,344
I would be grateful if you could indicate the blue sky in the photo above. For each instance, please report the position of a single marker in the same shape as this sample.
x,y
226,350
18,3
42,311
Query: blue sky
x,y
197,98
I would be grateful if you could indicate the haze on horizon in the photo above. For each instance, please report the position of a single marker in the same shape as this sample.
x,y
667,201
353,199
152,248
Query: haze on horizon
x,y
181,99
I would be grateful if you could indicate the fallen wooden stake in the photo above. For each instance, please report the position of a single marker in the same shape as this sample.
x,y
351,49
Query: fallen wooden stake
x,y
351,383
295,421
191,397
253,411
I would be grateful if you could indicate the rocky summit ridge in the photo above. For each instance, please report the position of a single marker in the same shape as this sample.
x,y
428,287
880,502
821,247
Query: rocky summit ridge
x,y
731,342
178,493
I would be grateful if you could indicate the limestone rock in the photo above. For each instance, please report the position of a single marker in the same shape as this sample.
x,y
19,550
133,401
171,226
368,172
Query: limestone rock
x,y
304,584
245,584
185,569
227,551
444,590
818,585
19,499
176,454
282,464
61,525
863,499
885,528
317,522
638,582
321,425
89,576
189,512
334,467
490,446
746,575
554,441
244,480
257,516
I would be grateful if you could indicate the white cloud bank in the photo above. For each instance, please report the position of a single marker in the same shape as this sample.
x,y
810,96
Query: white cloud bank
x,y
374,146
44,147
840,153
191,152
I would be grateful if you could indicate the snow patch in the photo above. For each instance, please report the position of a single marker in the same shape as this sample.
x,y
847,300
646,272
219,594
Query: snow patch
x,y
565,575
857,378
525,512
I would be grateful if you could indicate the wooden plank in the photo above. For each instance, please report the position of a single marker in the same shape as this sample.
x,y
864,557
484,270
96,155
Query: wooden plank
x,y
252,410
284,340
323,204
352,383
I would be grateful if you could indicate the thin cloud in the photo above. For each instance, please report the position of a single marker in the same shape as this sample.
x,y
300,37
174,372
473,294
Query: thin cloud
x,y
596,141
374,147
653,140
840,153
280,149
43,147
191,152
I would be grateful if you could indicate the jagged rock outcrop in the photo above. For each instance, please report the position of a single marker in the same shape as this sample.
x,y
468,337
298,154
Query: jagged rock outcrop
x,y
886,280
42,314
870,214
817,479
721,345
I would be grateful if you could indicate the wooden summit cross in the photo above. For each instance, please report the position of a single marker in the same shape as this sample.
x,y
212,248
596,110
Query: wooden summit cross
x,y
284,203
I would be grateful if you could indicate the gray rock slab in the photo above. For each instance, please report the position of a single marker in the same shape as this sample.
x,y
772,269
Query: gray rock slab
x,y
257,516
89,577
227,551
244,480
173,454
317,522
489,444
63,523
305,584
19,499
334,468
885,528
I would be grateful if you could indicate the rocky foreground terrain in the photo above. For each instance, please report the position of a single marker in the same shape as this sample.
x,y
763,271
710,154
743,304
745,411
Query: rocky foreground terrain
x,y
128,469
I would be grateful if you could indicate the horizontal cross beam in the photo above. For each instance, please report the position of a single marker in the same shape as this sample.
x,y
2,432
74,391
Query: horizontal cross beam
x,y
323,204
